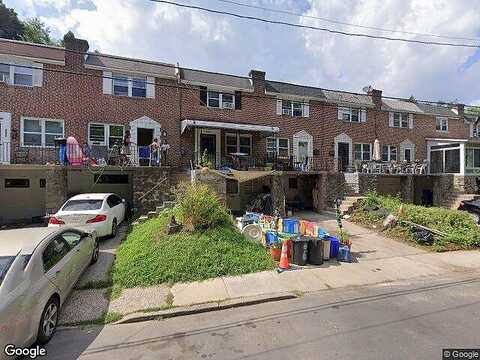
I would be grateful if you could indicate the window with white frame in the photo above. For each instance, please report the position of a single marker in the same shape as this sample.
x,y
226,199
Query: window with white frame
x,y
352,114
278,147
41,132
389,153
362,152
400,120
105,134
20,75
472,158
238,143
292,108
128,85
220,100
4,73
442,124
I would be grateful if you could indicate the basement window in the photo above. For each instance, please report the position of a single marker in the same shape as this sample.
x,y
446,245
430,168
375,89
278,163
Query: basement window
x,y
17,183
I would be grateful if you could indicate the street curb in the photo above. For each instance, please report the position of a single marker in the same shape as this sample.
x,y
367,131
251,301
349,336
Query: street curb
x,y
202,308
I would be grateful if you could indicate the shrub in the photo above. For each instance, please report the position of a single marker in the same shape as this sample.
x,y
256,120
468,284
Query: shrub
x,y
197,207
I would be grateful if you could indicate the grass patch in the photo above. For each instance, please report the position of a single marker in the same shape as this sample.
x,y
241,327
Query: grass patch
x,y
150,257
461,231
106,318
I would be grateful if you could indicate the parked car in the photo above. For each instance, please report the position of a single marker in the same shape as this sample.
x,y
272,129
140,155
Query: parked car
x,y
38,269
473,207
100,212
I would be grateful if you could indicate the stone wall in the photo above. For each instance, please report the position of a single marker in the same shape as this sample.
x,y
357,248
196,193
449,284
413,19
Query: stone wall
x,y
278,194
56,188
215,181
149,188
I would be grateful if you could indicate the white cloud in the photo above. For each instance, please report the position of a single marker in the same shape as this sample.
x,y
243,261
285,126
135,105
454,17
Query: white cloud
x,y
163,32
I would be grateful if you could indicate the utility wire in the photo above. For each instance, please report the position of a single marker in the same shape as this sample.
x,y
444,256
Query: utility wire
x,y
244,94
345,23
285,23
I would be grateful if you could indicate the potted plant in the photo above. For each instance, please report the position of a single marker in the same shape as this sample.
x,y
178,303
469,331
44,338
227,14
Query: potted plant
x,y
205,162
344,238
276,250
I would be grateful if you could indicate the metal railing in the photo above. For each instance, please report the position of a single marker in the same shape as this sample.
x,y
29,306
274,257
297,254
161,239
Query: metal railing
x,y
5,153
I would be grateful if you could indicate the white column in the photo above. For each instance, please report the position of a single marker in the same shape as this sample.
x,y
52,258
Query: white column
x,y
462,158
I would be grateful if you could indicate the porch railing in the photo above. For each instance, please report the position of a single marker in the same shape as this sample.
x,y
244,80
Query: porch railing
x,y
5,152
85,155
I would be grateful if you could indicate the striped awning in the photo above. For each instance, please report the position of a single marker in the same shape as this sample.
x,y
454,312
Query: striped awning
x,y
187,123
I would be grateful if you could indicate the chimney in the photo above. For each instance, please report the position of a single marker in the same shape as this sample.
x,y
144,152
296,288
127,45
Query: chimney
x,y
258,80
376,97
460,110
77,49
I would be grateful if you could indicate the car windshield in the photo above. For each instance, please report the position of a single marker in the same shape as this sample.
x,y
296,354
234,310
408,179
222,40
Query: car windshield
x,y
81,205
5,263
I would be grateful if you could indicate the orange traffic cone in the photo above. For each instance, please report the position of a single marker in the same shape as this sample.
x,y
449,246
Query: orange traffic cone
x,y
283,265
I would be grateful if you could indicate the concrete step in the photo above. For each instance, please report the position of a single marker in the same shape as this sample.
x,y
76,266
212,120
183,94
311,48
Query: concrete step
x,y
159,209
169,204
142,219
152,214
135,223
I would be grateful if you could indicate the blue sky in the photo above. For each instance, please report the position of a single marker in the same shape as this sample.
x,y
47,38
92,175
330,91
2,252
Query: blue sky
x,y
144,29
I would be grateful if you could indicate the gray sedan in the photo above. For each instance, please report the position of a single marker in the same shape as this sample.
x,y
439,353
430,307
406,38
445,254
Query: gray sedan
x,y
38,269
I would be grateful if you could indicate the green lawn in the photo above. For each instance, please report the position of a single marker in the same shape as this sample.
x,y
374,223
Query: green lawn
x,y
149,257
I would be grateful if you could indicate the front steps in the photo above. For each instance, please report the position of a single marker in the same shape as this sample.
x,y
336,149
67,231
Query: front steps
x,y
167,204
453,200
348,204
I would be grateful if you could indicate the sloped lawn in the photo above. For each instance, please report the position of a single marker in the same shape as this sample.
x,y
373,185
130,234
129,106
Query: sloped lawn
x,y
150,257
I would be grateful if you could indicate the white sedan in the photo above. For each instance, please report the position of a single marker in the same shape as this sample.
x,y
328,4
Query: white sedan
x,y
38,269
100,212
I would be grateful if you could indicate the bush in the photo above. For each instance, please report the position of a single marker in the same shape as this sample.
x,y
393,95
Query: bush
x,y
461,231
197,207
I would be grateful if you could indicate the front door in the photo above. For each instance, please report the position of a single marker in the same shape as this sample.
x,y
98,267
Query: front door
x,y
4,138
343,156
208,149
302,151
144,139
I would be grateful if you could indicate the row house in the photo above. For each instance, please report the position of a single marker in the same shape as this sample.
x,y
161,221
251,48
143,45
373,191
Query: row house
x,y
250,121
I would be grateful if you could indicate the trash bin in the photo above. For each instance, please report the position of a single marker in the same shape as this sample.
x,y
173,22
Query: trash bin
x,y
291,226
61,150
334,245
344,254
270,238
300,251
315,251
326,248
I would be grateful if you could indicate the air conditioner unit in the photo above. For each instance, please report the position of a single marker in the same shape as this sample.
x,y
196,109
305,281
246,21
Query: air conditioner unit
x,y
227,105
4,78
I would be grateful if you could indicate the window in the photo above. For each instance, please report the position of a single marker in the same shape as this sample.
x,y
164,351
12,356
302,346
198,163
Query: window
x,y
133,86
110,179
72,238
220,100
472,158
241,143
105,134
83,205
54,252
113,200
352,114
278,147
17,183
400,120
445,158
41,132
389,153
4,73
23,76
442,124
43,183
5,263
362,152
292,108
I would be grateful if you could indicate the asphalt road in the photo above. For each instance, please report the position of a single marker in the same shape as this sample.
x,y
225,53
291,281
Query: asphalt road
x,y
409,320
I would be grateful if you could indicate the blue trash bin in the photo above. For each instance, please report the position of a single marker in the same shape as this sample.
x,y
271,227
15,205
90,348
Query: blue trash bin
x,y
291,226
334,246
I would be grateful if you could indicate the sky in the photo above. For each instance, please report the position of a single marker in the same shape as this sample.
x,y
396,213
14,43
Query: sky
x,y
161,32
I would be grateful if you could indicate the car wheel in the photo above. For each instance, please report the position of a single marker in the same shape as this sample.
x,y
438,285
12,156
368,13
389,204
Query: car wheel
x,y
96,252
114,228
48,321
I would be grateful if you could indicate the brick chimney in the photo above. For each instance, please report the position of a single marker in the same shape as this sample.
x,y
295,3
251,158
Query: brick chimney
x,y
376,97
78,47
460,110
258,80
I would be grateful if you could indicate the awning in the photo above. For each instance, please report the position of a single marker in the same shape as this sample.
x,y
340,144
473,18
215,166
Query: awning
x,y
243,176
231,126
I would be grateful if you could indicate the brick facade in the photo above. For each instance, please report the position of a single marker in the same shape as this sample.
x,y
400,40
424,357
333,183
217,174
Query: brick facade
x,y
79,100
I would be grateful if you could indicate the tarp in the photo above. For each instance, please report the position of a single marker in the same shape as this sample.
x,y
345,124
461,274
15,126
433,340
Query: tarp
x,y
243,176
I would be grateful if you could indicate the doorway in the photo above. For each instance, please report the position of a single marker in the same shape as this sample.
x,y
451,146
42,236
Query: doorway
x,y
343,156
5,138
144,139
208,148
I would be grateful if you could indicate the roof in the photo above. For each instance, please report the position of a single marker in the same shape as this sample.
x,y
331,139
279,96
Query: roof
x,y
293,89
200,77
349,98
91,196
108,62
400,105
437,109
33,51
23,240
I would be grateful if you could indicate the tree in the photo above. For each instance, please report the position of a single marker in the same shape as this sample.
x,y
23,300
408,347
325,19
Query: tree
x,y
10,26
36,32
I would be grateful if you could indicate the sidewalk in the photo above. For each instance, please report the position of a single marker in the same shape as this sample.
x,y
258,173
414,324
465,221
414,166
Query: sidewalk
x,y
379,260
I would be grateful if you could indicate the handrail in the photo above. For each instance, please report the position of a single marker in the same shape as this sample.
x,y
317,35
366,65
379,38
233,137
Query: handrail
x,y
149,191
